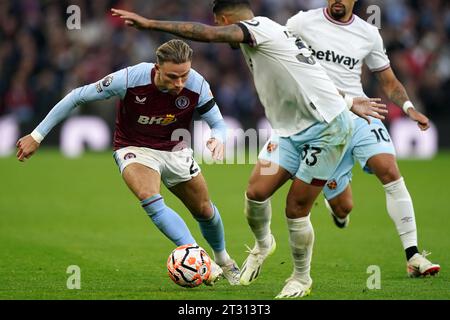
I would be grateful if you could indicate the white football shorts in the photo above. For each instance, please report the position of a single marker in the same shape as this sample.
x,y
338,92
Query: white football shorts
x,y
173,166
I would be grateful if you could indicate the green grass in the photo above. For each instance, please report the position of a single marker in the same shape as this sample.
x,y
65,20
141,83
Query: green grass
x,y
56,212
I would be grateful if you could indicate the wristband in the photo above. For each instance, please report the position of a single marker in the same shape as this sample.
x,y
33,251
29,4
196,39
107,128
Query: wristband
x,y
408,104
37,136
348,101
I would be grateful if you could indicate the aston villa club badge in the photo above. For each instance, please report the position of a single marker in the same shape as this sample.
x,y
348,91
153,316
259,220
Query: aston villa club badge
x,y
182,102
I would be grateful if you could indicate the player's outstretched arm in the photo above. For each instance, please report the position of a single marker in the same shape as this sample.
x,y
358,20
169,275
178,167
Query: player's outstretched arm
x,y
396,92
112,85
189,30
369,107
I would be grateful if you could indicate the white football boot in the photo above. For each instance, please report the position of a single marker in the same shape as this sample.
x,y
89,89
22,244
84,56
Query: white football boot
x,y
231,272
294,288
252,265
419,266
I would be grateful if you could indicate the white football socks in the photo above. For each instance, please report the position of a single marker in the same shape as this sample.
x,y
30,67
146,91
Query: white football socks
x,y
259,215
301,240
401,210
222,257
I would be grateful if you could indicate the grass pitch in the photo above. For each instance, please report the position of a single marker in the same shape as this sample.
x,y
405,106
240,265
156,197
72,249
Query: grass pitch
x,y
56,212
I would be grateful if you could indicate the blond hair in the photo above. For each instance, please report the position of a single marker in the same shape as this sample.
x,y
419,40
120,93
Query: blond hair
x,y
176,51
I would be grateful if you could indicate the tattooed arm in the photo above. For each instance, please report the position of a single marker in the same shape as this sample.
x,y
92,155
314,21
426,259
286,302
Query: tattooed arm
x,y
189,30
396,92
392,87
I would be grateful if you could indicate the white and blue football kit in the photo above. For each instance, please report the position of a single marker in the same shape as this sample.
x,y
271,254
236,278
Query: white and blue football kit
x,y
342,49
311,131
343,61
309,117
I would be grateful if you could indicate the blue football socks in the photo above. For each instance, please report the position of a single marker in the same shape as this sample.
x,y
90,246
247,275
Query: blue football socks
x,y
167,220
212,230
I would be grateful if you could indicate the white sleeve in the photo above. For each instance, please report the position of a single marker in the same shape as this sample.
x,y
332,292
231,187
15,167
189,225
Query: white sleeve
x,y
294,24
254,31
377,60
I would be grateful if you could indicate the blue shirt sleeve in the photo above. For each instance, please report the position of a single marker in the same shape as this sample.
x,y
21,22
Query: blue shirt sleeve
x,y
140,74
215,121
205,94
209,112
112,85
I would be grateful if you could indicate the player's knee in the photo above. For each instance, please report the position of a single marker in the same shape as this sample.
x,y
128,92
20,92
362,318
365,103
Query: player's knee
x,y
386,171
297,208
257,194
343,208
388,174
145,194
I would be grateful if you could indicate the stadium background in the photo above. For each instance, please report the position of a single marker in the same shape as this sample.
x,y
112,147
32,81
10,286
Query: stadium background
x,y
41,60
55,212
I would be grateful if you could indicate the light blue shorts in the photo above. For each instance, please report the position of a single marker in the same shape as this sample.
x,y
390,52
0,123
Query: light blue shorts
x,y
313,154
367,141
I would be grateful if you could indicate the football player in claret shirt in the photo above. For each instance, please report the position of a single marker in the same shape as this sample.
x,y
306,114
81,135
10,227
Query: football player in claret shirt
x,y
156,100
310,120
324,30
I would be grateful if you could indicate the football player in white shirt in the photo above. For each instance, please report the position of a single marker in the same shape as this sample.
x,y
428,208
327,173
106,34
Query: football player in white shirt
x,y
342,42
310,119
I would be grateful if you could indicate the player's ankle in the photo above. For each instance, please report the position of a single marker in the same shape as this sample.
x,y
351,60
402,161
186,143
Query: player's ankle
x,y
265,243
410,252
221,257
302,278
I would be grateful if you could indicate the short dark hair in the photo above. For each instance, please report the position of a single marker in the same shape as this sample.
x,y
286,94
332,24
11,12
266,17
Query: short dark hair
x,y
220,5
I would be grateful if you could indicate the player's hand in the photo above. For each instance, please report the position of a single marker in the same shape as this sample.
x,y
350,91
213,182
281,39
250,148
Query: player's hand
x,y
422,121
131,19
365,108
216,147
26,146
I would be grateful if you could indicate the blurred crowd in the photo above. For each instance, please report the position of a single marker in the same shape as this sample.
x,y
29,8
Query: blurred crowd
x,y
41,60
